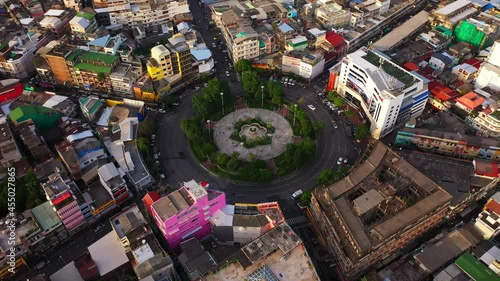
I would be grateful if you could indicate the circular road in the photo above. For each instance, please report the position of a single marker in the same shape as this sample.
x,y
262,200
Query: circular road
x,y
180,166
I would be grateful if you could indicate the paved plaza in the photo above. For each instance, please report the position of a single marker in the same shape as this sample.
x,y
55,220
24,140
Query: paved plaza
x,y
282,135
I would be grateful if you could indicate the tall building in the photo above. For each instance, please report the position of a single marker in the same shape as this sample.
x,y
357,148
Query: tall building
x,y
380,207
385,94
56,59
489,72
241,39
16,57
114,183
59,193
141,12
91,70
186,212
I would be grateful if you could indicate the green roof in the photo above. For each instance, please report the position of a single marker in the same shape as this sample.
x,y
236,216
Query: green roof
x,y
389,68
74,55
3,45
93,68
98,57
475,269
87,16
261,44
45,216
241,34
446,32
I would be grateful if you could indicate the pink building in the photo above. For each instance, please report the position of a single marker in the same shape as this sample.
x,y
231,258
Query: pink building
x,y
58,192
186,212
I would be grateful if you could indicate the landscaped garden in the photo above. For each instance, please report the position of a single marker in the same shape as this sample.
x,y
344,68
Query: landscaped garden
x,y
268,140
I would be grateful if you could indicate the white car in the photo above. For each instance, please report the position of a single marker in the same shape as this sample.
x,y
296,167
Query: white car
x,y
335,126
311,107
339,162
162,176
227,73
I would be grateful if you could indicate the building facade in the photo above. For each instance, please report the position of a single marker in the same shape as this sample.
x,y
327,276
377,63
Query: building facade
x,y
185,213
17,57
57,21
114,183
58,193
385,94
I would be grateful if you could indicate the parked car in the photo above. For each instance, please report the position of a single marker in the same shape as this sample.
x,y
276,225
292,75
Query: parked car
x,y
99,227
339,162
311,107
296,194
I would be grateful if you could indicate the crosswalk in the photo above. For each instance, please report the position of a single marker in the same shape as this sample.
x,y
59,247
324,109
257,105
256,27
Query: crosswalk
x,y
296,220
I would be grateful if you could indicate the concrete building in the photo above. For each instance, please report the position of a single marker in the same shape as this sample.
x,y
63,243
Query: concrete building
x,y
59,193
114,183
306,65
489,72
241,39
381,206
9,151
186,212
52,231
450,15
91,70
195,260
331,14
243,223
82,23
91,107
123,78
17,57
488,221
57,21
385,94
69,158
56,59
143,13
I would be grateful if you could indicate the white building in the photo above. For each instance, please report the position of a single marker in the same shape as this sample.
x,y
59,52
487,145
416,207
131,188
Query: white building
x,y
17,57
123,78
307,66
385,93
489,72
488,221
142,13
82,23
203,59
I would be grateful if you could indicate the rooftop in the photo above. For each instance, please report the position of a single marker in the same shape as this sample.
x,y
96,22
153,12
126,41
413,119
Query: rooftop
x,y
281,237
108,254
452,7
390,70
392,177
173,203
475,269
195,259
127,221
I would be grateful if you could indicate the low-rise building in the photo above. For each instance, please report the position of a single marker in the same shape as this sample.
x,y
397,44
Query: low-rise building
x,y
382,205
123,78
467,71
438,38
196,262
488,221
470,101
331,14
17,56
69,158
60,194
307,65
57,21
441,97
91,107
83,23
242,223
186,212
52,231
36,145
114,183
450,15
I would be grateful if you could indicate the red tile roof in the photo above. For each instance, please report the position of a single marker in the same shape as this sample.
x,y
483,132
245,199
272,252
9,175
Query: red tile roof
x,y
493,206
485,168
411,66
474,62
471,100
150,198
10,92
440,91
334,38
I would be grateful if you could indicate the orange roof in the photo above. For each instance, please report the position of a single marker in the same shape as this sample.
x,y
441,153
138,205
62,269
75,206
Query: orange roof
x,y
411,66
150,198
441,92
493,206
471,100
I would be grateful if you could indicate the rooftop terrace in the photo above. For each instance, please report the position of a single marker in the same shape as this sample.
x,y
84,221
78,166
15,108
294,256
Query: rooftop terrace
x,y
390,68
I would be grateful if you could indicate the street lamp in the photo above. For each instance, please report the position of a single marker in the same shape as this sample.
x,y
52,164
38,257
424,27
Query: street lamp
x,y
262,87
62,259
294,114
222,100
209,132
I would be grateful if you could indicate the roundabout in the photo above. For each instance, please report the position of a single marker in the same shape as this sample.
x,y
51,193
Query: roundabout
x,y
330,145
254,133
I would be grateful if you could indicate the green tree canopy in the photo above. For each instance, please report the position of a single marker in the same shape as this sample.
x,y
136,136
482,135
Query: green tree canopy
x,y
192,128
308,148
147,128
251,84
305,198
362,132
243,65
275,90
143,144
325,176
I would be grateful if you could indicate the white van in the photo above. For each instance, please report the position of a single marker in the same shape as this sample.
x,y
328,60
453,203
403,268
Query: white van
x,y
296,194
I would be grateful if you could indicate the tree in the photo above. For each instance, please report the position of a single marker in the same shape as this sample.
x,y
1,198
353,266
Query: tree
x,y
325,176
147,128
101,77
250,81
362,132
305,198
275,90
349,113
208,148
298,158
168,99
143,144
192,129
222,158
233,164
308,148
243,65
336,99
204,77
318,125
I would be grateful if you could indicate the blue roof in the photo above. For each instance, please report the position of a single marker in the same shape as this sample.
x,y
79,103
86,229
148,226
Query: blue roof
x,y
285,28
100,42
201,54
